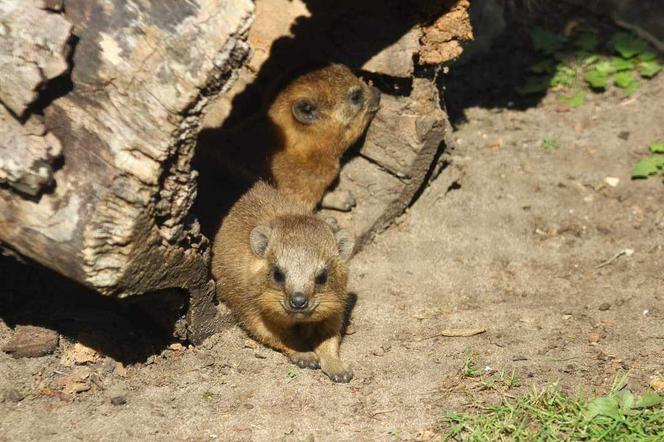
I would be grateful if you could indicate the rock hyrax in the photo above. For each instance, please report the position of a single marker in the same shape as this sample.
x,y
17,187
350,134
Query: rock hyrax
x,y
283,273
297,143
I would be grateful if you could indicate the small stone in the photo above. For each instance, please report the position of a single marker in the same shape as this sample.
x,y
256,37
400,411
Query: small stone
x,y
118,400
30,342
13,395
594,337
612,181
657,384
604,306
250,343
176,346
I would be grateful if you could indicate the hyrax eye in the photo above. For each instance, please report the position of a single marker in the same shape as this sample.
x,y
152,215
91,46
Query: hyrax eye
x,y
357,96
305,111
278,276
321,278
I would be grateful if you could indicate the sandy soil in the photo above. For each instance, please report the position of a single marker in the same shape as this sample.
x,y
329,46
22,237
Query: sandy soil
x,y
513,246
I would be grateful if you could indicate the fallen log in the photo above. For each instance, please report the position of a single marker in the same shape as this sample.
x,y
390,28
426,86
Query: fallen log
x,y
98,182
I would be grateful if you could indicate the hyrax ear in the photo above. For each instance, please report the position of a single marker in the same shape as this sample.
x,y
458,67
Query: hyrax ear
x,y
258,239
305,110
345,244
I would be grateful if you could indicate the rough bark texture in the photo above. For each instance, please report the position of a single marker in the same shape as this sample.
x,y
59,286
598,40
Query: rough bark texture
x,y
116,217
26,154
33,50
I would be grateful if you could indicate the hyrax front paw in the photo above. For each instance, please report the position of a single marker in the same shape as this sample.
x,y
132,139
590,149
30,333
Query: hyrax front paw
x,y
337,370
307,359
342,200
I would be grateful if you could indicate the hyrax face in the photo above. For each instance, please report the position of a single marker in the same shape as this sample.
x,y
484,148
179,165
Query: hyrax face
x,y
304,268
329,102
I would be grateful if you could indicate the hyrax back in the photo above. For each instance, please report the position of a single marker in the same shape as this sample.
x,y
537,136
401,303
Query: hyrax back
x,y
297,143
283,273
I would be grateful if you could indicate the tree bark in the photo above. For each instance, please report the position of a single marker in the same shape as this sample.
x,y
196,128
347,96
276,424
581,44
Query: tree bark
x,y
99,188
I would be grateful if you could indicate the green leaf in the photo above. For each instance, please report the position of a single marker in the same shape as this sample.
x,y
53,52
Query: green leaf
x,y
564,75
647,56
543,67
620,64
657,147
534,85
648,166
605,67
575,100
626,81
596,79
649,399
628,45
626,400
588,59
603,406
586,41
546,41
649,69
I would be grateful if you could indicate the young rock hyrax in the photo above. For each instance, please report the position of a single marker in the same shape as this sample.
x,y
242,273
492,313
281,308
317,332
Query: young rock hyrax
x,y
283,273
298,142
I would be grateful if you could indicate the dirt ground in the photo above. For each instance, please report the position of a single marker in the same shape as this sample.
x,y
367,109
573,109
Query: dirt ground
x,y
510,239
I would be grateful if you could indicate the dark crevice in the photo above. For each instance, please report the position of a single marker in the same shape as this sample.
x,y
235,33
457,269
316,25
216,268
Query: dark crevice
x,y
387,84
121,329
56,87
454,186
433,168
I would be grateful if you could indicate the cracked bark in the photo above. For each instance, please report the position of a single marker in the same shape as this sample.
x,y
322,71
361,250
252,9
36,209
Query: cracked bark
x,y
114,215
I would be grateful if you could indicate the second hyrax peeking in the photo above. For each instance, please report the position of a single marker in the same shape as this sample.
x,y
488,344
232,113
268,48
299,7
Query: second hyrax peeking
x,y
298,142
283,273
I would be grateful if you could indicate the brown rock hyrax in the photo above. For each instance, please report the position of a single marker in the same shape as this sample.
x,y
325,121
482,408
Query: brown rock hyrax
x,y
297,143
283,273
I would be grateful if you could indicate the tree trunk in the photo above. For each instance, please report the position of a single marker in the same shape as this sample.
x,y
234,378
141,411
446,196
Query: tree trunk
x,y
96,163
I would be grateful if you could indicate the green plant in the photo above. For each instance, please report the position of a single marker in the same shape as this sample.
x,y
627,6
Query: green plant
x,y
550,143
652,164
469,370
550,414
568,63
292,372
501,381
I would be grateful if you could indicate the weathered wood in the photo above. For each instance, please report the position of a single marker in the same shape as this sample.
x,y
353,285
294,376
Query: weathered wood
x,y
116,218
33,50
26,154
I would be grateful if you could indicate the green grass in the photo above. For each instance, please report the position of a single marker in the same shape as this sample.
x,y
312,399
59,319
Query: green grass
x,y
550,414
469,369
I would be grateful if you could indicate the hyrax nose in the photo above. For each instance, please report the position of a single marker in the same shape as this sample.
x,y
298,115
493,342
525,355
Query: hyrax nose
x,y
298,300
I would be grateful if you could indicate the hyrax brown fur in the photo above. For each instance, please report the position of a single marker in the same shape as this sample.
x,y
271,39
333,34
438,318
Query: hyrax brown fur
x,y
283,273
298,142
